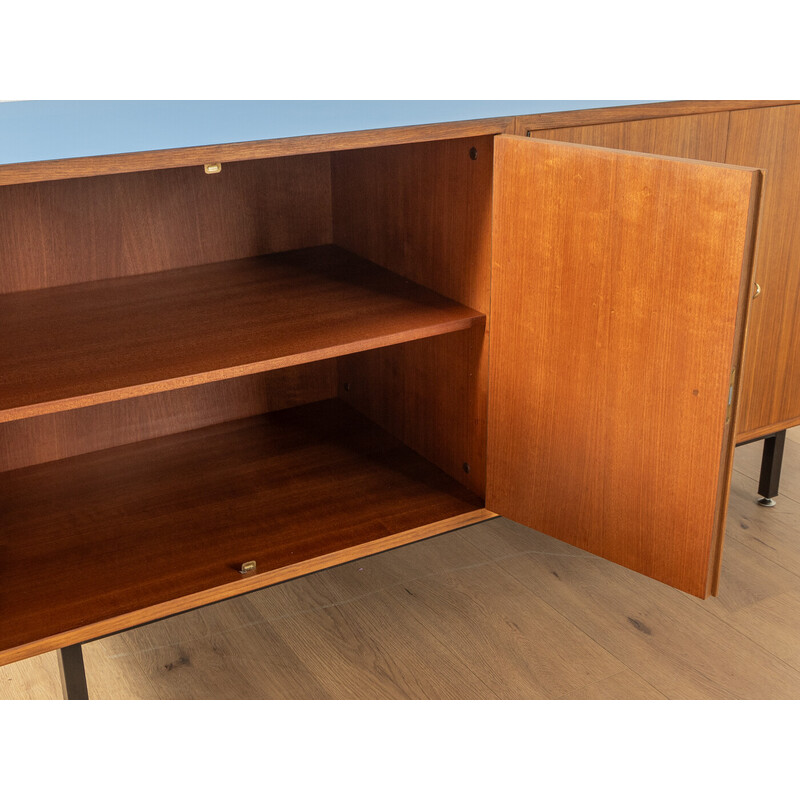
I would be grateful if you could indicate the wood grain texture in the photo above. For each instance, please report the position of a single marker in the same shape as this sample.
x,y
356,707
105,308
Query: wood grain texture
x,y
60,169
536,648
765,138
250,657
616,297
62,232
430,394
600,116
674,642
767,429
411,623
626,685
424,211
100,541
770,138
51,437
698,136
80,345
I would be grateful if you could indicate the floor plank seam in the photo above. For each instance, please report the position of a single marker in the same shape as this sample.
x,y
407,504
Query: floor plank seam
x,y
566,619
766,556
616,674
760,646
347,601
622,660
466,664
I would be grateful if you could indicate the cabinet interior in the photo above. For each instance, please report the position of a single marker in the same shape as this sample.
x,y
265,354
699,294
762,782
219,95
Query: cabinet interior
x,y
284,362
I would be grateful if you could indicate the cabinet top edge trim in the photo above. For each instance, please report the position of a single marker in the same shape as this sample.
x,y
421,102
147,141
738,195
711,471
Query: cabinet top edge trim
x,y
46,130
618,151
92,166
145,160
633,113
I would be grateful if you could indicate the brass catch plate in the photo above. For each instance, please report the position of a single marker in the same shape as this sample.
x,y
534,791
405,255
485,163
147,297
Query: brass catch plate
x,y
213,169
248,568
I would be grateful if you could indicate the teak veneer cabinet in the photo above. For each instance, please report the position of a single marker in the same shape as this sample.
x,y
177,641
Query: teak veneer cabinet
x,y
330,346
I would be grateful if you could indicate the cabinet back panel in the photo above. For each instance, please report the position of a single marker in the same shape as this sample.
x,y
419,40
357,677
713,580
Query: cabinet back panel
x,y
60,232
424,211
53,436
430,394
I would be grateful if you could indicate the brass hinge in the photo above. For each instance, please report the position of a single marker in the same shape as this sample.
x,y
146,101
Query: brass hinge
x,y
730,395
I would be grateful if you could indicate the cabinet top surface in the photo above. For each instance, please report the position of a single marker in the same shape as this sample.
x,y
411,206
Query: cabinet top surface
x,y
47,130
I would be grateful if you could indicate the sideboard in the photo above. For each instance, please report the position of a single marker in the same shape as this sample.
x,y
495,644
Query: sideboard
x,y
228,365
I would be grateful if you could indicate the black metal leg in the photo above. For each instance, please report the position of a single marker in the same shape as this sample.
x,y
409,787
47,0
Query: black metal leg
x,y
73,674
771,461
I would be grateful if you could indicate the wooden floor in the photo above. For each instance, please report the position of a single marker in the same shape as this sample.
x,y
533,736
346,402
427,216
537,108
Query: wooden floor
x,y
491,611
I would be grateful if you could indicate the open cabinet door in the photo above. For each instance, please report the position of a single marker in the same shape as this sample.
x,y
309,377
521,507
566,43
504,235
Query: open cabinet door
x,y
620,287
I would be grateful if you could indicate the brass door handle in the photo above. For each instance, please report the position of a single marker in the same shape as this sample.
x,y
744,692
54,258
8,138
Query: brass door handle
x,y
756,291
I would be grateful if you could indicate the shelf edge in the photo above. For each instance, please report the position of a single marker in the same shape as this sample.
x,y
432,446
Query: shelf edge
x,y
224,373
244,585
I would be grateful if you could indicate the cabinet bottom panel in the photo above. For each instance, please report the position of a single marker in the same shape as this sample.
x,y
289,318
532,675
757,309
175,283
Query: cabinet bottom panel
x,y
96,543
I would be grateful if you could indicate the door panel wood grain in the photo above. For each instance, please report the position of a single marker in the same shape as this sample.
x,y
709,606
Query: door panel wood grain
x,y
619,293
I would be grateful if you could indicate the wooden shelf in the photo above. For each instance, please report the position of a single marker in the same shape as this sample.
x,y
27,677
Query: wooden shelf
x,y
83,344
99,542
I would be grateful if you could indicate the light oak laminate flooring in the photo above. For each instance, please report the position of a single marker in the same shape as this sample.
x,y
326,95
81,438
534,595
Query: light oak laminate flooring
x,y
488,612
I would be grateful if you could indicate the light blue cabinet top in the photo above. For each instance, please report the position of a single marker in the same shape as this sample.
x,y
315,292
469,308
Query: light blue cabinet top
x,y
37,130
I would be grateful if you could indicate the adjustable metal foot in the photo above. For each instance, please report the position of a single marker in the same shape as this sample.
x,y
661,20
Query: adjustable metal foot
x,y
771,461
73,674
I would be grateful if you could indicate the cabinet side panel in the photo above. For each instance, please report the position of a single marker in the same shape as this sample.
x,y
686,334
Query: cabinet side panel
x,y
83,430
615,323
430,394
699,136
421,210
424,211
70,231
770,138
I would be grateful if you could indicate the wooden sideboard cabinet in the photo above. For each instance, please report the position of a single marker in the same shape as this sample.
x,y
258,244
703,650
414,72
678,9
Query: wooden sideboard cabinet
x,y
223,367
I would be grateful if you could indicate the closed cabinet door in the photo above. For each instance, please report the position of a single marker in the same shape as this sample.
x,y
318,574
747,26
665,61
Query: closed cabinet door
x,y
700,136
769,138
620,289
